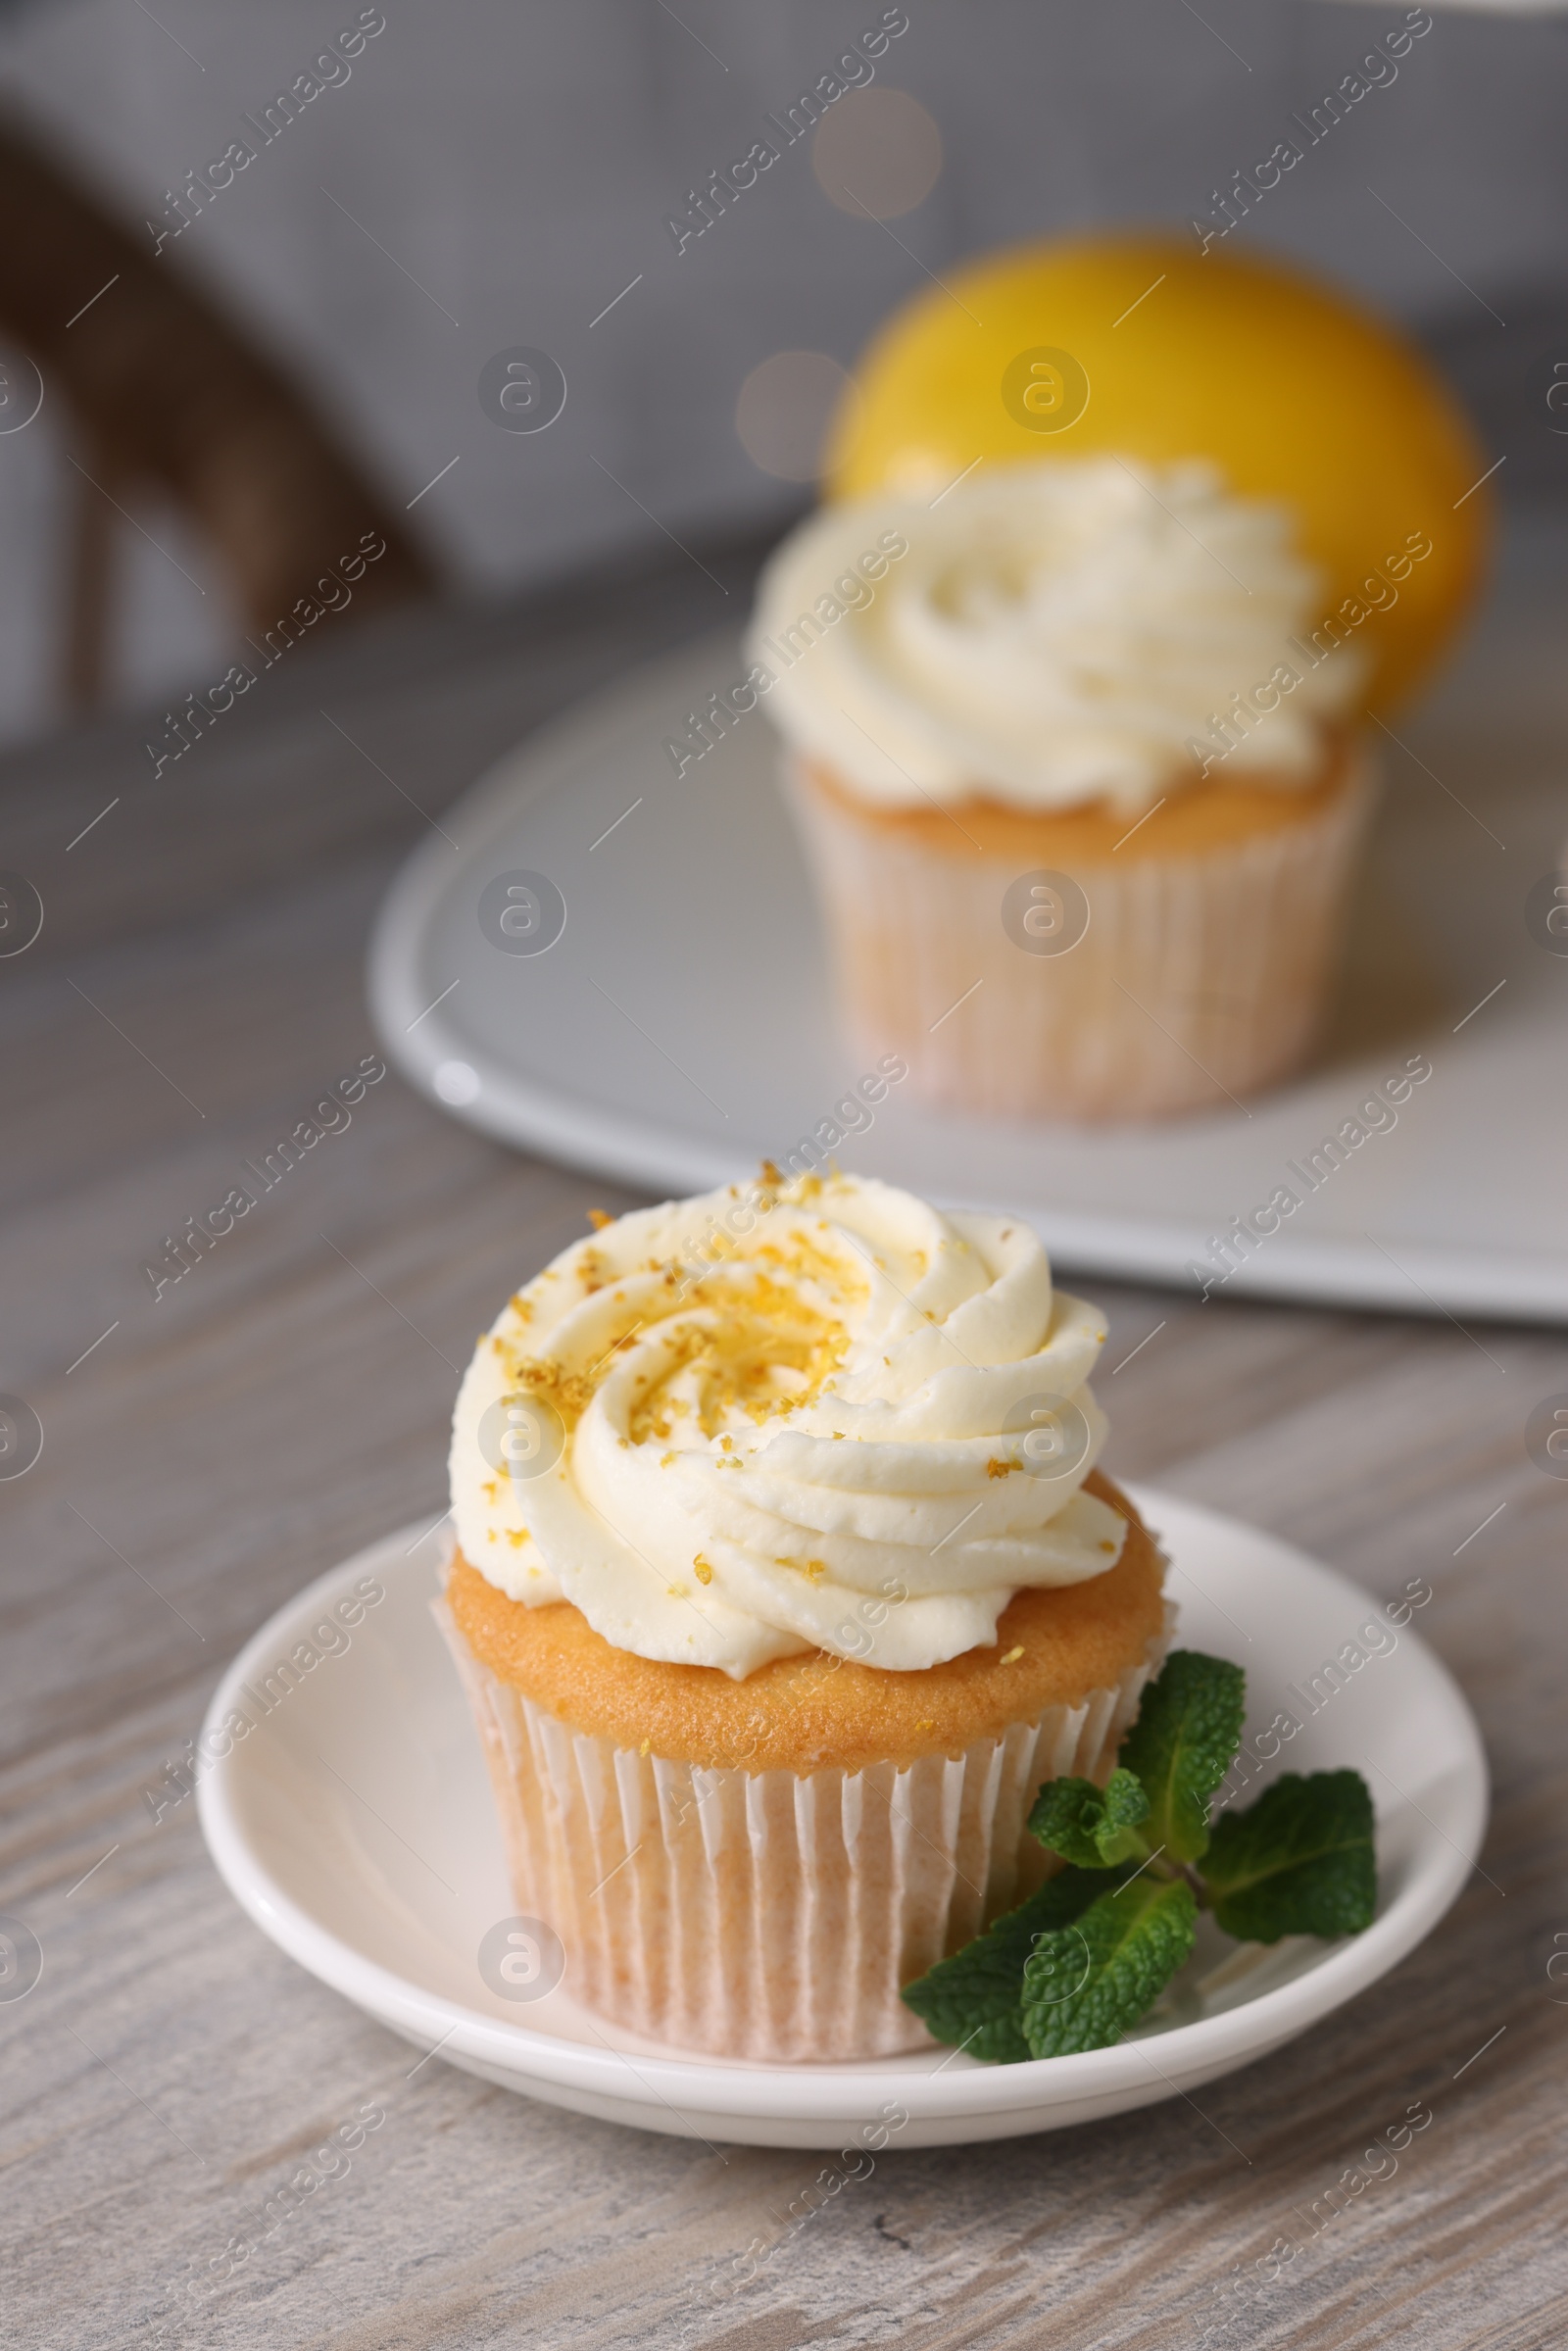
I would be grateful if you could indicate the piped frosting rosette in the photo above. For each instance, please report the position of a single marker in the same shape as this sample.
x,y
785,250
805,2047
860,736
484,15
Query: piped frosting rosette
x,y
1057,634
804,1415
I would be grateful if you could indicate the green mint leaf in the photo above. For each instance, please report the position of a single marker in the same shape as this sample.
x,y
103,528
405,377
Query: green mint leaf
x,y
1119,1833
1090,1826
970,2001
1299,1861
1085,1984
1187,1728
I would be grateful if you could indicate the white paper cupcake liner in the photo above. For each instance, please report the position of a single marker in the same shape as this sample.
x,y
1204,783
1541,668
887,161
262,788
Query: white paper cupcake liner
x,y
766,1915
1199,976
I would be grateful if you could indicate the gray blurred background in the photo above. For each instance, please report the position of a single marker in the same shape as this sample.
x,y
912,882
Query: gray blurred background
x,y
493,175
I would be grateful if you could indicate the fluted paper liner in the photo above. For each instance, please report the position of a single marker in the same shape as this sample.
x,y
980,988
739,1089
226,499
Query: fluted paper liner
x,y
1201,977
771,1915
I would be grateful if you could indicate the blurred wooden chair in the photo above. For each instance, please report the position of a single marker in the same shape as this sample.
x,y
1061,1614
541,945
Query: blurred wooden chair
x,y
167,394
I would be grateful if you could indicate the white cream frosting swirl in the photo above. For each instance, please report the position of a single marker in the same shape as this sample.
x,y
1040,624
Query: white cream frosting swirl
x,y
1059,632
814,1414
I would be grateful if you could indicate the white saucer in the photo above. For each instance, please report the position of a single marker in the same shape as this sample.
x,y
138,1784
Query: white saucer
x,y
354,1823
680,1028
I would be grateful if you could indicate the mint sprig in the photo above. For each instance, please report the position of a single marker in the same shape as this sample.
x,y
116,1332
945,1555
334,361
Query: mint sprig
x,y
1076,1964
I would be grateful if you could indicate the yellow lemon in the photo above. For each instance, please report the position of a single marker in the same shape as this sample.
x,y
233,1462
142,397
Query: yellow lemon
x,y
1144,348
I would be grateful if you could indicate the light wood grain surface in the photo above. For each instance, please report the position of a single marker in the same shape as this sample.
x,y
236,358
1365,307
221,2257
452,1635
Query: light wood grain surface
x,y
197,984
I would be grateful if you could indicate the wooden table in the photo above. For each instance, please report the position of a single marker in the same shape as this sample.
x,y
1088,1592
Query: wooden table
x,y
196,985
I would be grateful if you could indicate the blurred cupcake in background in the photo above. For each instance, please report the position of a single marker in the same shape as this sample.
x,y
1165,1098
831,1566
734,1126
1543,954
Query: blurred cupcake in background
x,y
1077,767
1124,542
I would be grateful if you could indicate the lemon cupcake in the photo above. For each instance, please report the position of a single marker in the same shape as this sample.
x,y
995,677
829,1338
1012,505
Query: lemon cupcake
x,y
783,1578
1078,780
